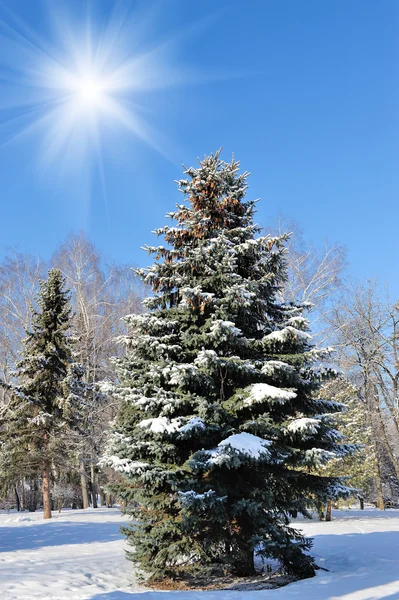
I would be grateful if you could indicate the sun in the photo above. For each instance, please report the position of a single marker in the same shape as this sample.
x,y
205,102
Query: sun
x,y
81,90
90,91
85,88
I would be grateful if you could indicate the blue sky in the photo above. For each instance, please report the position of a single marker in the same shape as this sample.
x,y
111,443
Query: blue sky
x,y
304,93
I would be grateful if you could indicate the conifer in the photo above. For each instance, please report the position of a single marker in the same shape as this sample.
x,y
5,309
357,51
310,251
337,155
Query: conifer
x,y
34,422
220,425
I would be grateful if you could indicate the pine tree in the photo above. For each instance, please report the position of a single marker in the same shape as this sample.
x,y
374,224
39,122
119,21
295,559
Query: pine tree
x,y
218,429
34,423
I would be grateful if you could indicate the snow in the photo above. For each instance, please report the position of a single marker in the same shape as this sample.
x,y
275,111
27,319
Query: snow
x,y
288,333
189,294
160,425
76,554
271,366
206,358
304,425
223,330
106,387
318,456
40,419
258,392
243,443
194,423
164,425
207,498
180,373
298,321
191,495
79,555
124,465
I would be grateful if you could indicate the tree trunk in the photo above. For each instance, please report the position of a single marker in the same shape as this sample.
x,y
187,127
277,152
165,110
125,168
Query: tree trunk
x,y
381,430
328,510
380,438
93,485
46,494
382,434
361,500
17,498
108,499
46,481
102,496
33,496
22,495
246,566
380,496
83,485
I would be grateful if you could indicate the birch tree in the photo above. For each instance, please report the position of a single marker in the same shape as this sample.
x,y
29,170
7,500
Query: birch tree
x,y
19,278
366,325
101,295
315,273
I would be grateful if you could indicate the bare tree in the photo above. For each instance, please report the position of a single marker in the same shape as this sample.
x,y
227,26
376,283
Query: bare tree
x,y
366,326
19,277
314,274
101,295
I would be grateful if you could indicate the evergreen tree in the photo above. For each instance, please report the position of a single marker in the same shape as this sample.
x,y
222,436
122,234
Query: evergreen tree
x,y
219,428
354,423
34,423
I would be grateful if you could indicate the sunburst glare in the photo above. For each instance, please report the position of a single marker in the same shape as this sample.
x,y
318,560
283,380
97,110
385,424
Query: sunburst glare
x,y
89,91
92,76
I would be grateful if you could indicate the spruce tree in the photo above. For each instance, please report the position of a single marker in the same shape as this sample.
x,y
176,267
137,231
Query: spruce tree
x,y
220,424
34,423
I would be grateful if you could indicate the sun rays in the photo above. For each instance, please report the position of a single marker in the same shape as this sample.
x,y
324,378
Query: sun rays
x,y
89,76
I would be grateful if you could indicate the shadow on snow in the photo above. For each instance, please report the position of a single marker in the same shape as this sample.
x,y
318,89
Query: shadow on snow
x,y
32,536
362,564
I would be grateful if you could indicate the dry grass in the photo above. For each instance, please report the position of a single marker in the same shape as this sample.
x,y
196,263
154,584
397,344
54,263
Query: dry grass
x,y
261,581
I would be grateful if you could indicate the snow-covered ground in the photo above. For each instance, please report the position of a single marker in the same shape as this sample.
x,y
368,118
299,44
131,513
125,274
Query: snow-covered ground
x,y
79,555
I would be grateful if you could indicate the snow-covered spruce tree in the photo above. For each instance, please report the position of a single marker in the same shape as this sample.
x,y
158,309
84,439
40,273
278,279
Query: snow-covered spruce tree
x,y
219,427
34,422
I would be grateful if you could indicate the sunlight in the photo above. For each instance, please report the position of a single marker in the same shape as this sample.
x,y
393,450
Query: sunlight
x,y
90,92
85,86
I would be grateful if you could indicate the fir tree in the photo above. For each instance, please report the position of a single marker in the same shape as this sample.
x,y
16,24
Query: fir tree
x,y
34,422
219,428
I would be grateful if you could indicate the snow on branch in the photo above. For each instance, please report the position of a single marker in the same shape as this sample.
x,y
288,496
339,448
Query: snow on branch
x,y
287,334
240,445
304,425
259,392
